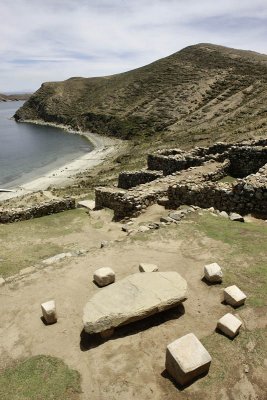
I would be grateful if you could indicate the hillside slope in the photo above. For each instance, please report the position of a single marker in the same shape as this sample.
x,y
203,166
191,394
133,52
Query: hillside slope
x,y
203,91
14,97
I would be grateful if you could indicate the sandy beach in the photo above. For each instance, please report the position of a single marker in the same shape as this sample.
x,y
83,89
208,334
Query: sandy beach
x,y
65,175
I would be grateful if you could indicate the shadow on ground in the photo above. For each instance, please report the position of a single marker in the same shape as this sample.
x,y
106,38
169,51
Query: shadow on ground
x,y
90,341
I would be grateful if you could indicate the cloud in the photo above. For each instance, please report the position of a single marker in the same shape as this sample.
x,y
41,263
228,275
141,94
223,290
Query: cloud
x,y
56,39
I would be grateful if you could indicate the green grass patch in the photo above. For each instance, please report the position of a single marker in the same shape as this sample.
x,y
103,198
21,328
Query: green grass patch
x,y
18,257
246,260
28,242
98,224
227,179
221,348
40,378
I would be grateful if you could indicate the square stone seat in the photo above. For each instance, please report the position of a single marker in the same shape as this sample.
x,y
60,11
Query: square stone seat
x,y
229,325
234,296
187,359
144,267
49,312
104,276
213,273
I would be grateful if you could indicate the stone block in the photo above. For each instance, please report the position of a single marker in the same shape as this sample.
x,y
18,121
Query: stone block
x,y
234,296
187,359
49,312
213,273
144,267
104,276
229,325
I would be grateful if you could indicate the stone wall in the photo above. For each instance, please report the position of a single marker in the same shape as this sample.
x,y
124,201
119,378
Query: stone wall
x,y
36,211
192,178
244,196
246,160
130,179
130,203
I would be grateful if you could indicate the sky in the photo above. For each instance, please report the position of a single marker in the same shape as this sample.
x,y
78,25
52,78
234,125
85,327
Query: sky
x,y
51,40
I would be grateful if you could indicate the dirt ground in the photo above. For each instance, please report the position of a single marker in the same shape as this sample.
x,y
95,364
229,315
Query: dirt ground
x,y
130,365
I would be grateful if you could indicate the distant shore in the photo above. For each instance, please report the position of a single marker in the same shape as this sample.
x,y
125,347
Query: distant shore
x,y
66,174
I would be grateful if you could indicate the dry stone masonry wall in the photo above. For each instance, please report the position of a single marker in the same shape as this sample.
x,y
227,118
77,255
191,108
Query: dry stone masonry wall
x,y
36,211
130,179
193,178
131,202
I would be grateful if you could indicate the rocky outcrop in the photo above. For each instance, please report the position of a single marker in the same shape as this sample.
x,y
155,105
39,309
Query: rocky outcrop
x,y
133,298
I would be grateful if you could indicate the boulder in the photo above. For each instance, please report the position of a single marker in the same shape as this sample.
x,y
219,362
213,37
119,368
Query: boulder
x,y
166,219
229,325
104,276
213,273
187,359
144,267
133,298
49,311
236,217
234,296
224,214
177,215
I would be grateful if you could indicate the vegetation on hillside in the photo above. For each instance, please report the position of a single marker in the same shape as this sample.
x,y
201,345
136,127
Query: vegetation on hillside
x,y
203,92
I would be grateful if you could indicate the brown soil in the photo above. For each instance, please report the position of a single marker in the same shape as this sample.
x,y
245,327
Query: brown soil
x,y
130,365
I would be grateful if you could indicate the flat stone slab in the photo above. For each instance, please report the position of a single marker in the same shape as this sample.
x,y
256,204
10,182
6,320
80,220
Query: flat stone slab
x,y
144,267
56,258
213,273
49,311
229,325
89,204
187,359
104,276
133,298
234,296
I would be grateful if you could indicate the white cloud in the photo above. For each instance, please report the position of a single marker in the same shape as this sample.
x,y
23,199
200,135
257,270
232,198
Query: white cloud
x,y
56,39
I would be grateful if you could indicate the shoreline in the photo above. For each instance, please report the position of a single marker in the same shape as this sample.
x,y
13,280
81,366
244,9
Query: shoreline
x,y
66,174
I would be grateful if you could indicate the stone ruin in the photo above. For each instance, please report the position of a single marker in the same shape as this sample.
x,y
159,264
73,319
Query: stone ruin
x,y
36,210
175,177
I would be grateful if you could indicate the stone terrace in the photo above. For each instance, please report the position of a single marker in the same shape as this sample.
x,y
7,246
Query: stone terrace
x,y
131,202
176,177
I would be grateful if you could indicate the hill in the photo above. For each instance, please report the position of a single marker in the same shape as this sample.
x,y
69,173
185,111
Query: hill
x,y
203,92
14,97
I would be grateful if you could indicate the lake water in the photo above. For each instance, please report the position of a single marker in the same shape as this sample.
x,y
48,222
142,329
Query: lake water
x,y
28,150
